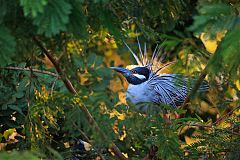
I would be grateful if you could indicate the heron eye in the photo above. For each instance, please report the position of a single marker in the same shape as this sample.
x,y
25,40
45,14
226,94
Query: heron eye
x,y
134,71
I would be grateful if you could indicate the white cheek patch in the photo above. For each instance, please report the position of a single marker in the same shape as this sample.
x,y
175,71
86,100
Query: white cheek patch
x,y
139,76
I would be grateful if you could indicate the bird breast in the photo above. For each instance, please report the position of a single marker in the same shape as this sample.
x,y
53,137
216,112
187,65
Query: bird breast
x,y
139,93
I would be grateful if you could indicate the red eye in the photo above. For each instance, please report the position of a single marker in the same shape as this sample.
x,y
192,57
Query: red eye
x,y
134,72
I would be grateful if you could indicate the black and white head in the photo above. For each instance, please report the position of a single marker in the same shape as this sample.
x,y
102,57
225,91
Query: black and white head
x,y
134,76
146,68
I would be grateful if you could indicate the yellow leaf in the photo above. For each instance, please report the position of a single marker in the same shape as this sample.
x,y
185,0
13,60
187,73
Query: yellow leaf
x,y
8,132
237,83
125,154
224,124
210,44
124,135
66,145
233,93
182,54
220,35
108,53
82,78
111,151
113,57
114,112
122,98
47,62
190,140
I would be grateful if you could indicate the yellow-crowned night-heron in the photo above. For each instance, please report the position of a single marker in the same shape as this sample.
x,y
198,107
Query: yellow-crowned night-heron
x,y
147,85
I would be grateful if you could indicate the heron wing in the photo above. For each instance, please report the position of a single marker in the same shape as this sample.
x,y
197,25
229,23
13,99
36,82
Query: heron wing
x,y
172,89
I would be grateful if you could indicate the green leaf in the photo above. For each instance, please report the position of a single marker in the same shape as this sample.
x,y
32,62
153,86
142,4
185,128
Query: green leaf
x,y
109,21
227,56
55,154
77,19
1,136
94,59
216,9
103,72
3,9
210,18
77,61
7,46
19,94
54,18
230,46
33,7
19,155
16,108
187,119
7,133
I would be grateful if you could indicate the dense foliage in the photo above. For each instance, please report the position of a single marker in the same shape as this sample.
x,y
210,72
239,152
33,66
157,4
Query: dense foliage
x,y
54,77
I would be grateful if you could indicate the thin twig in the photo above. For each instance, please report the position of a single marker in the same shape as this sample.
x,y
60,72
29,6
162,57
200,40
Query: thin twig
x,y
52,87
211,126
225,115
71,89
31,70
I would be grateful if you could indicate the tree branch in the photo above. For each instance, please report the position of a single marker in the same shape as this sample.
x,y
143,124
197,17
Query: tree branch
x,y
200,125
200,79
31,70
65,80
71,89
195,88
218,120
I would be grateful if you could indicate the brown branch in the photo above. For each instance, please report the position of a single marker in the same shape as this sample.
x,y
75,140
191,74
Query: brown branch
x,y
82,133
200,79
31,70
65,80
211,126
225,115
195,88
218,120
71,89
152,153
200,125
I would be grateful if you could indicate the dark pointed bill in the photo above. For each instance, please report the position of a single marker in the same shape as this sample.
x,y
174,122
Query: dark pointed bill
x,y
120,70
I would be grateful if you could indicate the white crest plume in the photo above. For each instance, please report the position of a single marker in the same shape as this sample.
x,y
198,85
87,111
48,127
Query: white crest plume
x,y
153,63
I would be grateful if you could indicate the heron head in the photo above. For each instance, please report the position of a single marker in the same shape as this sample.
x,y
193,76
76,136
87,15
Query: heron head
x,y
134,76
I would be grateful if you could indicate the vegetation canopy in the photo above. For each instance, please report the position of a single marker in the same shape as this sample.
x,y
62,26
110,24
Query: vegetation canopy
x,y
57,88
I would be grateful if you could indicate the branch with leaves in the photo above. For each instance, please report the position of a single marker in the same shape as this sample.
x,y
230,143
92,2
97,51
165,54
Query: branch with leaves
x,y
71,89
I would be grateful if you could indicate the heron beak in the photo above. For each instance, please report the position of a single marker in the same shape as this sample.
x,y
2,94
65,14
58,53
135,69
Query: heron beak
x,y
121,70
